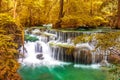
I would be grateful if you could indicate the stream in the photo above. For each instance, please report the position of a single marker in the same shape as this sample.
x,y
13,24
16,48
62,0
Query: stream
x,y
66,72
46,58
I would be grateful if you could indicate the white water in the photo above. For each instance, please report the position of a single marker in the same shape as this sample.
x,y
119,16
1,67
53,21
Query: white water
x,y
85,45
94,66
30,53
30,56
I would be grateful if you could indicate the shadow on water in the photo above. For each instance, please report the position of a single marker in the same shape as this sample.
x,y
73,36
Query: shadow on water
x,y
67,72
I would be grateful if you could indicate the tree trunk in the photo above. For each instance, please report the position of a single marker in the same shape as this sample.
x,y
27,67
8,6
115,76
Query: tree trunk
x,y
0,5
118,16
58,22
14,9
30,16
117,22
91,7
61,9
23,42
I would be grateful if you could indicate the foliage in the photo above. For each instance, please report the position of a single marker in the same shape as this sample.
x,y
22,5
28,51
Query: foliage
x,y
109,8
9,25
30,38
8,58
114,72
76,13
104,40
107,40
10,36
83,38
5,19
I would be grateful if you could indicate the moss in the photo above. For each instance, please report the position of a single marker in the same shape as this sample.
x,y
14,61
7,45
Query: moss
x,y
65,45
113,72
83,38
30,38
69,48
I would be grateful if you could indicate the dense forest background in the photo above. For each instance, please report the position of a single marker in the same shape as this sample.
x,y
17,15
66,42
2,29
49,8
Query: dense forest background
x,y
17,14
68,13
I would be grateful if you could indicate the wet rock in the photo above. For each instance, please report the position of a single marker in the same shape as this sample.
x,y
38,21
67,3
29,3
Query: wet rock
x,y
40,56
36,31
83,55
98,58
61,53
104,63
114,58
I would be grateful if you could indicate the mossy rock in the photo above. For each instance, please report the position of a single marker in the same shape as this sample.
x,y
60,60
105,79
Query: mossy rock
x,y
31,38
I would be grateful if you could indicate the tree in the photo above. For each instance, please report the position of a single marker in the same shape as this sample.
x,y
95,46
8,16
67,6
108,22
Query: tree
x,y
118,16
10,36
0,4
14,9
59,21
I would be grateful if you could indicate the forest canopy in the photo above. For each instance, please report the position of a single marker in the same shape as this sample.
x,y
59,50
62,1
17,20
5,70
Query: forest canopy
x,y
68,13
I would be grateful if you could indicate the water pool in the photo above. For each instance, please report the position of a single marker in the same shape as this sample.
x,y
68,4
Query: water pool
x,y
66,72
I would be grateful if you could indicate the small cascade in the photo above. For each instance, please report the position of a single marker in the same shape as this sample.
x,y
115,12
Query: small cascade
x,y
59,53
38,48
83,54
30,56
53,46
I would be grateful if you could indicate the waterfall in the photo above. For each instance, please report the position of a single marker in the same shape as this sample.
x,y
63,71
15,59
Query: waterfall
x,y
52,46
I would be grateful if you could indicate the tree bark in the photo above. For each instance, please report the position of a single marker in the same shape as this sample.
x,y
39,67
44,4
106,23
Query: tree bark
x,y
30,16
14,9
58,22
118,16
0,5
61,10
91,7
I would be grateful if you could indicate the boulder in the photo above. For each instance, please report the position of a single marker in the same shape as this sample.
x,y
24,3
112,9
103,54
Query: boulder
x,y
114,58
104,63
40,56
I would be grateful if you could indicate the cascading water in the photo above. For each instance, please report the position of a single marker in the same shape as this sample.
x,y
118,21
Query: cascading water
x,y
48,59
37,53
49,49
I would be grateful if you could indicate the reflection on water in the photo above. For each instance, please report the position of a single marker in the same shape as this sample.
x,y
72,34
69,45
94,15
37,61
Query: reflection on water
x,y
67,72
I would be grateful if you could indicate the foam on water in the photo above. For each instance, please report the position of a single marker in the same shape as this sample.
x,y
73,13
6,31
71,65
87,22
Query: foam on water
x,y
93,66
30,55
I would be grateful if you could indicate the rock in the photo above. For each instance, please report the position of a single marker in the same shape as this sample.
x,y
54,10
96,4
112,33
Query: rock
x,y
104,63
83,55
40,56
98,58
36,31
114,58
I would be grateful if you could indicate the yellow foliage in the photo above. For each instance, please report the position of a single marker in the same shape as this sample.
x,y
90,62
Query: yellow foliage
x,y
9,32
8,58
83,38
104,40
